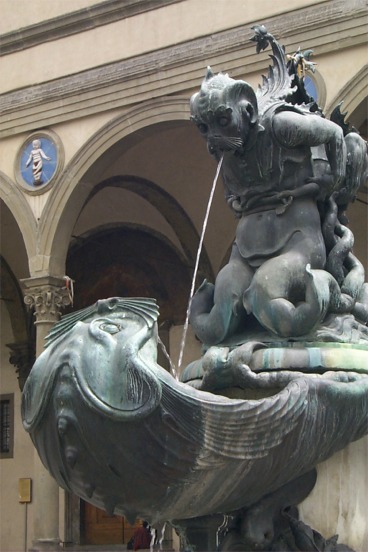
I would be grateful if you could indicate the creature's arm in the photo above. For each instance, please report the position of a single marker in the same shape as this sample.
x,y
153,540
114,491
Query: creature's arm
x,y
43,154
29,159
293,130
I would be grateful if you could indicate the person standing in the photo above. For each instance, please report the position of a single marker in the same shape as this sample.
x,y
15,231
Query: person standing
x,y
142,537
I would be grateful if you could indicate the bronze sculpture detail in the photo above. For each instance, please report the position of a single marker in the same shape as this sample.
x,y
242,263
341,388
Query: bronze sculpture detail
x,y
289,174
284,330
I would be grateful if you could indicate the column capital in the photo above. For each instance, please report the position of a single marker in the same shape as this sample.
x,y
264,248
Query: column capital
x,y
48,295
22,356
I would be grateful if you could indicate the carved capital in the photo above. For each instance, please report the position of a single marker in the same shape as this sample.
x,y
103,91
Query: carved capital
x,y
22,356
48,296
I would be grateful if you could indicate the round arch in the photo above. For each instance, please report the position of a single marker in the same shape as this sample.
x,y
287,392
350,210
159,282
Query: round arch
x,y
70,192
171,210
18,315
126,259
352,94
21,211
22,348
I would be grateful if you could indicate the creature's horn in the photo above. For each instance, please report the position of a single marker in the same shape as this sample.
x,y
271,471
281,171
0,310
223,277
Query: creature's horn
x,y
209,73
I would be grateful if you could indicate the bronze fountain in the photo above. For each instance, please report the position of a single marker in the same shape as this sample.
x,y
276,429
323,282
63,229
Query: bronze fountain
x,y
283,380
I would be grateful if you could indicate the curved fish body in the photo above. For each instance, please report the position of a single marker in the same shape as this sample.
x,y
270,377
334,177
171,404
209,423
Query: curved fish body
x,y
116,429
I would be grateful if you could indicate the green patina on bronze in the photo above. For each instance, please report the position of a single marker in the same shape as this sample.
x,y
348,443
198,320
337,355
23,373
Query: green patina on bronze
x,y
284,333
318,358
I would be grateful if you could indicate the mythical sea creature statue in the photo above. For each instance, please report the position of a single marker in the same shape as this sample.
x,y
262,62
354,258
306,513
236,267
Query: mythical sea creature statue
x,y
284,334
289,174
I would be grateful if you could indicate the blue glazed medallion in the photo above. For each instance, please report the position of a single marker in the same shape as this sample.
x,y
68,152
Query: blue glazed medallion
x,y
38,162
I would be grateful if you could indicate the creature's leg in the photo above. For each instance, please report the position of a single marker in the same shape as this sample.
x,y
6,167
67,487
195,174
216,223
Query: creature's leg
x,y
361,307
285,296
217,310
357,166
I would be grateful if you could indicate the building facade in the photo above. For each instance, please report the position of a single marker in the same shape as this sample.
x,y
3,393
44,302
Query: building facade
x,y
104,184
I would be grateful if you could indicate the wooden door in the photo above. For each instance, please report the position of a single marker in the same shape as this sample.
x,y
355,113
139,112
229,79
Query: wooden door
x,y
100,528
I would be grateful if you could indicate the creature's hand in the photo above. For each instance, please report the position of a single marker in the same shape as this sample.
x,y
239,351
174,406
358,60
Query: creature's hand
x,y
234,202
223,369
202,301
319,187
216,373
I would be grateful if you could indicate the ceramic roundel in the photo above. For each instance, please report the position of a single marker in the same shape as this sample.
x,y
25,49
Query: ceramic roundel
x,y
39,161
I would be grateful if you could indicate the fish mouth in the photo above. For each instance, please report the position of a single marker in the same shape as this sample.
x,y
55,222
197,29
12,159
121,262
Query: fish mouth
x,y
221,144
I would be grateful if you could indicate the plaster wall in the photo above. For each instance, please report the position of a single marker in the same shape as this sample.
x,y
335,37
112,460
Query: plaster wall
x,y
358,223
338,68
14,517
338,504
27,14
23,13
124,39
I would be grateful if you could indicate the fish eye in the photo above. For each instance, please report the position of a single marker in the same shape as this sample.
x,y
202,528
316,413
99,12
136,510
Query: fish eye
x,y
223,121
110,327
202,128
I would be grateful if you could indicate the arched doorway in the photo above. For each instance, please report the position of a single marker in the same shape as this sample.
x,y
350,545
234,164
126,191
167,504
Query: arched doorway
x,y
14,267
125,261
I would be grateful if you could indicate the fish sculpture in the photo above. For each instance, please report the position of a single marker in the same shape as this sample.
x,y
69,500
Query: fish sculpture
x,y
119,431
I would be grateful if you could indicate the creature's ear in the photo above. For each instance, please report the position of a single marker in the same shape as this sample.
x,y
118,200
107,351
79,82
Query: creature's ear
x,y
242,93
209,74
252,113
193,105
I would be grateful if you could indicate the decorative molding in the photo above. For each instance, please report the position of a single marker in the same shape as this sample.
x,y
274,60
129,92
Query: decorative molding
x,y
326,27
76,22
47,295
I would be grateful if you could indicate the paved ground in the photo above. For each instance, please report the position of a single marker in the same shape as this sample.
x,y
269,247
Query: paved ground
x,y
95,548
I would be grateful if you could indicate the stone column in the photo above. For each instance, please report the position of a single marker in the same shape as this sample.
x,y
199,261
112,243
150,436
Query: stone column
x,y
47,296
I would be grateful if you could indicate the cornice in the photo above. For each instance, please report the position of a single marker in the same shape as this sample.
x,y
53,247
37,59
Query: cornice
x,y
329,26
76,22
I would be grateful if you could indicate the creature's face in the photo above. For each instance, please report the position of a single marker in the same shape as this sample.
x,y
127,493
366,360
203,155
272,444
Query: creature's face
x,y
106,333
225,112
223,129
107,364
105,358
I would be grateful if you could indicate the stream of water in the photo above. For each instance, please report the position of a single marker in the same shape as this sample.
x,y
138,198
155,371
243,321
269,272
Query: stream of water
x,y
185,330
